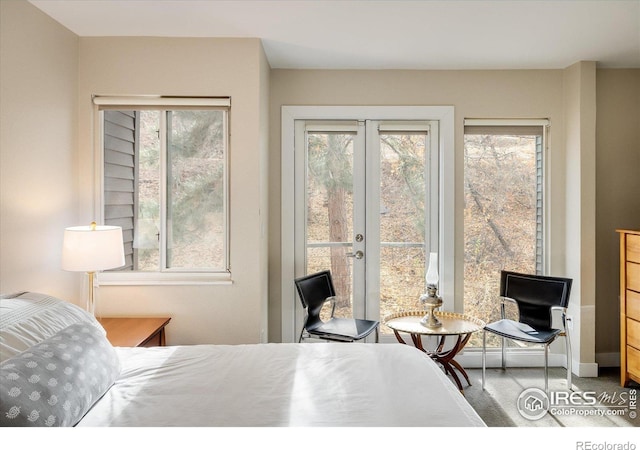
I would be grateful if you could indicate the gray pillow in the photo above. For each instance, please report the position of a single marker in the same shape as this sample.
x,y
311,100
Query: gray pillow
x,y
55,382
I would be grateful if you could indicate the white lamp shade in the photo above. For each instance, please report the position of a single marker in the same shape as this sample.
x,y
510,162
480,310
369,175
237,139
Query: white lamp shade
x,y
92,248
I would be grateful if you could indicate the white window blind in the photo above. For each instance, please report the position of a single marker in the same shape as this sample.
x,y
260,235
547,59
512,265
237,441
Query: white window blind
x,y
151,102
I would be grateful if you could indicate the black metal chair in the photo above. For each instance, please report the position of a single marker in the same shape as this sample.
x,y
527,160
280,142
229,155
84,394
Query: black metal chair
x,y
314,291
536,296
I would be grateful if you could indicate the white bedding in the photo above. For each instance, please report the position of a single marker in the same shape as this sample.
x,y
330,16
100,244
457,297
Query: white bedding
x,y
27,318
56,363
280,385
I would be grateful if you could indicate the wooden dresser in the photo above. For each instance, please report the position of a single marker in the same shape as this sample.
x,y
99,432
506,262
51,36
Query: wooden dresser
x,y
629,306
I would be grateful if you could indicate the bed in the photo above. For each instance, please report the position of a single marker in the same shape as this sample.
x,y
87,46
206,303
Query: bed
x,y
58,369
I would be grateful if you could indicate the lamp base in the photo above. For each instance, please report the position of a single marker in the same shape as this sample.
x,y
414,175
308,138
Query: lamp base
x,y
430,302
91,301
430,320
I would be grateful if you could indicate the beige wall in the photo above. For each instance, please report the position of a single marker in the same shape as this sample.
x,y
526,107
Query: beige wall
x,y
38,189
577,157
265,88
237,68
474,94
579,149
617,195
48,77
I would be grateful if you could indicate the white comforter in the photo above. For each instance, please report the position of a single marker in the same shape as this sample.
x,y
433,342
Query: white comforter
x,y
281,385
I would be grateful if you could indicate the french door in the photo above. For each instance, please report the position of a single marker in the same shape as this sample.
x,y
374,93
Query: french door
x,y
366,207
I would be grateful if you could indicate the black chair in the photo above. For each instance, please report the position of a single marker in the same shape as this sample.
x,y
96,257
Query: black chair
x,y
314,291
536,296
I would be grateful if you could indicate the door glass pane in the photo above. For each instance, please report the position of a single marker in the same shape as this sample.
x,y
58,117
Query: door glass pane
x,y
330,211
402,221
195,187
502,217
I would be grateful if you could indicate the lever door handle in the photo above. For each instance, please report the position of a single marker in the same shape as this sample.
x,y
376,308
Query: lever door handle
x,y
356,255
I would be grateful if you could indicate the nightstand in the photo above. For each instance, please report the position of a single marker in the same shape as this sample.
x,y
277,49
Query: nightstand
x,y
135,331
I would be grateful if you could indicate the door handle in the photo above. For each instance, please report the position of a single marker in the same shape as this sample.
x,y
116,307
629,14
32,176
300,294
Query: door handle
x,y
356,255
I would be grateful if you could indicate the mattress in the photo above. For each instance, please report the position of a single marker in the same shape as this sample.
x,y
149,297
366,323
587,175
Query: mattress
x,y
57,368
278,385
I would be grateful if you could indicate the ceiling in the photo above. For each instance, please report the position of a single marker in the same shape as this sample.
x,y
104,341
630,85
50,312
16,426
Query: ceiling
x,y
378,34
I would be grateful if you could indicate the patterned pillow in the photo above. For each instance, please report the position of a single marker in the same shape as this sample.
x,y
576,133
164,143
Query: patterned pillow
x,y
55,382
29,318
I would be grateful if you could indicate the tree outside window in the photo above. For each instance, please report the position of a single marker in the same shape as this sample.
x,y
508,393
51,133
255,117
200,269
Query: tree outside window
x,y
165,176
503,212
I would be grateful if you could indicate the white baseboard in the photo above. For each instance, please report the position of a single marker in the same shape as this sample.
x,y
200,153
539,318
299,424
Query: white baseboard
x,y
534,357
515,358
472,359
585,370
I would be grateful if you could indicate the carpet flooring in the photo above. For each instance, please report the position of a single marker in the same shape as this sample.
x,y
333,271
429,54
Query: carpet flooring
x,y
593,402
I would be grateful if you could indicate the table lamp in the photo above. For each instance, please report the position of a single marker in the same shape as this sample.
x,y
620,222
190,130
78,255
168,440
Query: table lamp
x,y
91,249
431,300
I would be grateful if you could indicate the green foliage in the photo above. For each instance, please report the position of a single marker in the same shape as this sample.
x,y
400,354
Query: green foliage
x,y
195,183
330,159
196,172
196,133
406,174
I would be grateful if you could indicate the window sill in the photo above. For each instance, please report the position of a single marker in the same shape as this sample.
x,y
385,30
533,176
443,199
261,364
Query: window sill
x,y
163,279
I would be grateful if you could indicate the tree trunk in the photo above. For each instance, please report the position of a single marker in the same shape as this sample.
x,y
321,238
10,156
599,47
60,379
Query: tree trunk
x,y
340,269
494,227
337,178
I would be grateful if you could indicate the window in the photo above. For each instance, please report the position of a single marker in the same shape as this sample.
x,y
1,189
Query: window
x,y
164,181
503,207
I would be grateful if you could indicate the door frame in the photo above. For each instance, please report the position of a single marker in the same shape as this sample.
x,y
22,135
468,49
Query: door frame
x,y
446,170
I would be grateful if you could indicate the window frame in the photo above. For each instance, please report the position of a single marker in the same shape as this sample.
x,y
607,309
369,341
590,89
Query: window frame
x,y
542,167
162,103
